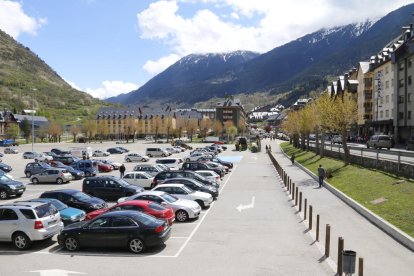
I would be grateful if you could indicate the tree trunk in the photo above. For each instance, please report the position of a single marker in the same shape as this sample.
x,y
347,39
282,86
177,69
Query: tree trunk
x,y
317,141
307,142
345,147
322,148
302,141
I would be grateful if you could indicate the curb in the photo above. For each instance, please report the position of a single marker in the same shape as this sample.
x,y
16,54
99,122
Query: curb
x,y
381,223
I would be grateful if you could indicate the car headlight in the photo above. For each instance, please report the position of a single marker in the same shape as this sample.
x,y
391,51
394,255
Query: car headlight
x,y
13,187
96,206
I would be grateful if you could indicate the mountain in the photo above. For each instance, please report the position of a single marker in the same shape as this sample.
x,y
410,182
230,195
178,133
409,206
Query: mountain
x,y
299,66
24,78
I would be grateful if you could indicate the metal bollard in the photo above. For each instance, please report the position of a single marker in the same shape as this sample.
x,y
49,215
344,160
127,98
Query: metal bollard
x,y
361,267
317,227
310,217
340,260
300,202
296,198
293,190
327,240
306,207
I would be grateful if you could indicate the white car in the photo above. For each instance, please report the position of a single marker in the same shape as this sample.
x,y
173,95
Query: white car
x,y
139,178
181,149
212,175
136,157
42,157
181,191
173,150
195,156
100,153
184,209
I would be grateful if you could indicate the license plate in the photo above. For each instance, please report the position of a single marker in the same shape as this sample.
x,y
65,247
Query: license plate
x,y
52,222
21,190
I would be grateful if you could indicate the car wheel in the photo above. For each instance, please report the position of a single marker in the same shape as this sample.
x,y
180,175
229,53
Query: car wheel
x,y
144,160
87,174
35,181
59,181
24,157
94,155
71,243
3,194
21,241
149,155
181,215
36,160
163,155
28,174
128,160
136,245
367,146
187,160
201,203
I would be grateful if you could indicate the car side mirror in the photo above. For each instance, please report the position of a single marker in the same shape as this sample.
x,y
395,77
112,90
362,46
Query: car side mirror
x,y
164,203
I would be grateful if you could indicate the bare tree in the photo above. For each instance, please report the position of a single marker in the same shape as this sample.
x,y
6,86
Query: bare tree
x,y
74,130
205,125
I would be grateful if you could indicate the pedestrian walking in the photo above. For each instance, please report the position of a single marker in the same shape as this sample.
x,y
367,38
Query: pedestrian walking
x,y
321,174
122,170
292,158
270,148
267,149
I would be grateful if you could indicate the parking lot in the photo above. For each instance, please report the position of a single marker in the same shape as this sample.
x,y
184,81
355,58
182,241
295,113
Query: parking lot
x,y
244,232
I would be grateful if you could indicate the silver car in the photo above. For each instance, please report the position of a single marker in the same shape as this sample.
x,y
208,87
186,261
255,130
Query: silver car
x,y
25,222
184,209
55,175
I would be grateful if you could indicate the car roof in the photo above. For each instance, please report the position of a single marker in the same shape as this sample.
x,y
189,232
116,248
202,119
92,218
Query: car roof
x,y
128,213
170,185
66,191
136,202
158,193
24,204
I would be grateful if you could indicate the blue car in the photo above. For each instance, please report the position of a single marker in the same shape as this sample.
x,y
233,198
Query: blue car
x,y
68,214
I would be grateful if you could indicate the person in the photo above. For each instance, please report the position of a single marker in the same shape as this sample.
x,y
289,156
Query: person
x,y
292,158
321,174
267,149
270,148
122,170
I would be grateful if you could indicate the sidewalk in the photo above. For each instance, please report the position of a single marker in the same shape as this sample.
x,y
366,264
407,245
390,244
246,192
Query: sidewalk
x,y
382,254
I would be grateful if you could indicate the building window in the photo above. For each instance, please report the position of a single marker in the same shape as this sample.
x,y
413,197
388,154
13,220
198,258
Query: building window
x,y
387,113
387,98
392,83
400,115
387,84
401,66
409,80
410,61
400,83
381,114
400,99
409,97
386,70
409,115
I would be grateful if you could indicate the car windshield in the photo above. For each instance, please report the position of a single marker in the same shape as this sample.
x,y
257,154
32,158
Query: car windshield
x,y
5,179
81,196
144,218
169,198
146,175
199,177
188,190
59,205
123,183
45,210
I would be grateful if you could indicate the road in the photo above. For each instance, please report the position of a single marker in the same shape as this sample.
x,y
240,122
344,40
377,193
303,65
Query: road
x,y
249,230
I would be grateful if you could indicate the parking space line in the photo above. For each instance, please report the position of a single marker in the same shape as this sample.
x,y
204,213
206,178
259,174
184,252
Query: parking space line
x,y
178,237
202,219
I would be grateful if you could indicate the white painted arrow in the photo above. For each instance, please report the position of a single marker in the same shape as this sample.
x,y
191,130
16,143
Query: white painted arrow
x,y
244,207
55,272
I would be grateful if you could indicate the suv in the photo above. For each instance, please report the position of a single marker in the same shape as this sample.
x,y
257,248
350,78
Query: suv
x,y
89,167
154,152
109,187
35,168
53,175
10,187
24,222
380,141
197,166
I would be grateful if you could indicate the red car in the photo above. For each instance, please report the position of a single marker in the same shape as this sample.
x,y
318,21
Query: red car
x,y
102,167
144,206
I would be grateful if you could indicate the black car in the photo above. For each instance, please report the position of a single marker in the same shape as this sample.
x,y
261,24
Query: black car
x,y
76,199
160,177
198,166
10,187
66,159
123,149
217,160
134,230
115,151
194,185
60,152
5,167
109,187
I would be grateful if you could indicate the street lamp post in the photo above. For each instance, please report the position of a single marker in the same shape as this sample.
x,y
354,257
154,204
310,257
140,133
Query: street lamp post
x,y
33,111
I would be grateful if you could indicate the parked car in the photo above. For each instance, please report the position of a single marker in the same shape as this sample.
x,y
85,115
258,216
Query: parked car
x,y
76,199
217,160
100,153
123,149
102,167
30,155
160,177
210,175
5,167
89,167
410,143
52,175
68,214
35,168
156,152
217,166
11,151
181,191
196,166
41,157
336,139
25,222
135,230
115,165
380,141
197,155
115,151
10,187
49,153
173,150
194,185
151,169
179,149
141,179
109,187
145,206
136,157
60,152
172,163
184,209
76,174
66,159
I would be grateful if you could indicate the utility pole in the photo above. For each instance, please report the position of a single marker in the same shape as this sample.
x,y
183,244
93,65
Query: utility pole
x,y
33,111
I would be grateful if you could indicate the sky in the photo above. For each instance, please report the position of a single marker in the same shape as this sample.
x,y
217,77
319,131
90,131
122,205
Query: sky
x,y
109,47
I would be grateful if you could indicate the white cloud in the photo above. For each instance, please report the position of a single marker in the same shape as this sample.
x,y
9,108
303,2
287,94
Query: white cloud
x,y
111,89
262,25
155,67
71,83
14,21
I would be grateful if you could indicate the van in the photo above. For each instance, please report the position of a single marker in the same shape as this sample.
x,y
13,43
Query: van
x,y
109,187
89,167
156,152
172,163
81,152
380,141
210,139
